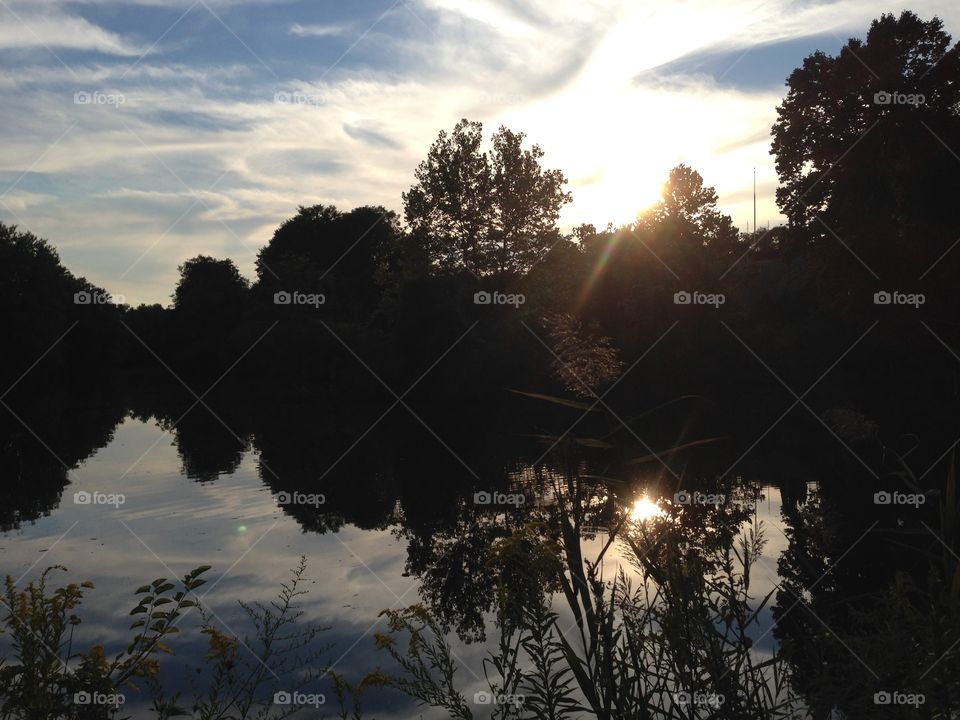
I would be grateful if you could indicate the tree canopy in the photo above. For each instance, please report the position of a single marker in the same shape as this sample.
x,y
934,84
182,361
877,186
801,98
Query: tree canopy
x,y
490,213
687,211
860,145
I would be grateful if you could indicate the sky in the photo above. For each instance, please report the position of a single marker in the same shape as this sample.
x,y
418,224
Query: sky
x,y
139,133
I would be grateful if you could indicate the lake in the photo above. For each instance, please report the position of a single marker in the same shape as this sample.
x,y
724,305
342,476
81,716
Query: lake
x,y
390,508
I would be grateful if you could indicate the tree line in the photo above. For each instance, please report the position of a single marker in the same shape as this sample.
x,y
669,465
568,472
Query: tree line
x,y
865,144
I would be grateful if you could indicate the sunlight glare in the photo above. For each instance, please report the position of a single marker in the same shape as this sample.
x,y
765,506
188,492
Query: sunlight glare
x,y
645,509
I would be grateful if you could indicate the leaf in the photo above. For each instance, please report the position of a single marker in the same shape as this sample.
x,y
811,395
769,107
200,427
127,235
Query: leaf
x,y
670,451
584,442
556,400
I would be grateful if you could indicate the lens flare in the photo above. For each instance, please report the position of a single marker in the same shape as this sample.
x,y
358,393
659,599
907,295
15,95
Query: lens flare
x,y
599,268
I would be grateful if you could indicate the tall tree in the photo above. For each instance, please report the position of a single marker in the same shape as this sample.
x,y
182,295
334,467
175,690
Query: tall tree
x,y
490,214
860,146
352,256
688,211
41,301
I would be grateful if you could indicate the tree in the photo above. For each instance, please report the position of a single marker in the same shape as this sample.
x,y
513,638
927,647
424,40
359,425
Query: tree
x,y
209,287
210,323
353,257
859,145
45,311
688,212
489,214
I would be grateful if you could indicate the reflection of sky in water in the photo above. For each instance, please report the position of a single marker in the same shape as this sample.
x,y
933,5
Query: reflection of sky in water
x,y
176,524
169,524
763,574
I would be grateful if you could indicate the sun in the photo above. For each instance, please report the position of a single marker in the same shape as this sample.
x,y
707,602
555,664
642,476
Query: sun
x,y
645,509
614,195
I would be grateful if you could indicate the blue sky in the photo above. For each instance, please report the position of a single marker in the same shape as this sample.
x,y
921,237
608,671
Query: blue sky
x,y
210,121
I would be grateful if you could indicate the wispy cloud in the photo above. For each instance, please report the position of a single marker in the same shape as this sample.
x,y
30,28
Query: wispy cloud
x,y
30,27
318,30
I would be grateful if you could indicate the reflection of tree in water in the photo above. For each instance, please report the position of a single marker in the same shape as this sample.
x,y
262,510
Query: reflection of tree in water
x,y
465,562
667,616
210,436
302,450
60,428
209,446
862,602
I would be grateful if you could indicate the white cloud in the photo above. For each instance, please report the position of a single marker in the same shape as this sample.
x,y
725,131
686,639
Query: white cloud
x,y
53,29
317,30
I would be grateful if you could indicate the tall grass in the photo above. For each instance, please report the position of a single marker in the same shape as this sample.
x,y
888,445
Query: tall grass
x,y
662,632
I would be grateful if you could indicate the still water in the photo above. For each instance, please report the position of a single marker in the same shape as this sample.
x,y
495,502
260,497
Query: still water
x,y
140,508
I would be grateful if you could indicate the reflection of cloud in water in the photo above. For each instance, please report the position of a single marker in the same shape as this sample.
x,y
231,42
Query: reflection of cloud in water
x,y
180,524
169,524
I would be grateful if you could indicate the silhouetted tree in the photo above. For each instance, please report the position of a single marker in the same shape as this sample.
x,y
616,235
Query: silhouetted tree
x,y
490,214
355,258
860,147
210,304
208,285
47,312
687,215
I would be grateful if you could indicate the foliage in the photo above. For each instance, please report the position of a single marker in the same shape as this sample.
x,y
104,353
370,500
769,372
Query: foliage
x,y
41,624
50,680
671,638
490,214
688,209
859,144
584,362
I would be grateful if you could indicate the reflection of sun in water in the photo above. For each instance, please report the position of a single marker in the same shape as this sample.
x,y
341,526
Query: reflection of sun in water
x,y
645,509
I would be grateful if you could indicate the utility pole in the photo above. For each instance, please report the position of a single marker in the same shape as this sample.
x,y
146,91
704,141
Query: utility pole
x,y
754,200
